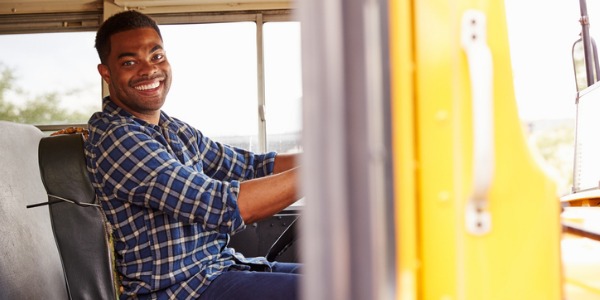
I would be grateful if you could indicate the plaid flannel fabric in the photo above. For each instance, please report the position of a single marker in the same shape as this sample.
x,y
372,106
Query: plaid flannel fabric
x,y
171,195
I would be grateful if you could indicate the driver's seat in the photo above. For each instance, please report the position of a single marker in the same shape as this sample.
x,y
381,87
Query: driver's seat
x,y
81,231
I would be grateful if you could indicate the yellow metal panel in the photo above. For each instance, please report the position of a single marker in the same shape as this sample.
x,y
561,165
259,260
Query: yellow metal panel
x,y
520,257
403,139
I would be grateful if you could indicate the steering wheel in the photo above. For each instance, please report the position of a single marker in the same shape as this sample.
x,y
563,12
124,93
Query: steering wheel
x,y
284,241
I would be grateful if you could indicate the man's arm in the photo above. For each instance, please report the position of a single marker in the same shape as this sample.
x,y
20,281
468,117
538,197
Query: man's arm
x,y
284,162
263,197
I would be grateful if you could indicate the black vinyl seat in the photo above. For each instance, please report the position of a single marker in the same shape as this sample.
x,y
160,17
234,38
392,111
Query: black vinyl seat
x,y
80,228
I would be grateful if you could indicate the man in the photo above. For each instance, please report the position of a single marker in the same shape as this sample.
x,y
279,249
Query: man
x,y
172,195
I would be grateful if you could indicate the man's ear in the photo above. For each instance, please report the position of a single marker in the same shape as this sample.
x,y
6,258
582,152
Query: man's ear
x,y
104,72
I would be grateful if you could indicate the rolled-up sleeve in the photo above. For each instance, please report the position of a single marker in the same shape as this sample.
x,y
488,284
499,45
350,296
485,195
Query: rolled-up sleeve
x,y
224,162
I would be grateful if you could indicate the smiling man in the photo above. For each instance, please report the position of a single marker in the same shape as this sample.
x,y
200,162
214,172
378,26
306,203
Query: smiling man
x,y
172,195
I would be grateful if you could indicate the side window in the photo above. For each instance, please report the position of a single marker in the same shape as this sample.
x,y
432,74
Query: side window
x,y
49,79
214,80
283,86
52,79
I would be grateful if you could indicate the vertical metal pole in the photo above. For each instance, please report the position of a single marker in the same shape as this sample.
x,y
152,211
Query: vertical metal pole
x,y
325,220
587,45
260,69
346,152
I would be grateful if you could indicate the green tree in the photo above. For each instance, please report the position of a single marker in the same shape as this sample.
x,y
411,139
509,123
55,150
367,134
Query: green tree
x,y
41,109
8,111
555,146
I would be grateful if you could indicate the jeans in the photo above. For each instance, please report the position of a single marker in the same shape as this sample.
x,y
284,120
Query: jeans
x,y
282,283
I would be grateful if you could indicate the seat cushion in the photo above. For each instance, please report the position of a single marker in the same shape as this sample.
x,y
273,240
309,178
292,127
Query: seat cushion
x,y
30,267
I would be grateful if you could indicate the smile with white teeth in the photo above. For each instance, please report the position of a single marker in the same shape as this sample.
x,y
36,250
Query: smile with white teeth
x,y
149,86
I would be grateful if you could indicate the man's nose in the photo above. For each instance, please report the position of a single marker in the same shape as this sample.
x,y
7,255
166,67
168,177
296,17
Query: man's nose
x,y
147,68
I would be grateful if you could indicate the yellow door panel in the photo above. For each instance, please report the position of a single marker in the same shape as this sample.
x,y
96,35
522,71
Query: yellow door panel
x,y
510,248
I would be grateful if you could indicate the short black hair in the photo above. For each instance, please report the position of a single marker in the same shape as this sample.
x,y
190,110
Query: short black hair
x,y
120,22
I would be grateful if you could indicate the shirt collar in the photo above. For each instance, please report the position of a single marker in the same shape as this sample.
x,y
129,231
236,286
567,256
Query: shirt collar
x,y
108,106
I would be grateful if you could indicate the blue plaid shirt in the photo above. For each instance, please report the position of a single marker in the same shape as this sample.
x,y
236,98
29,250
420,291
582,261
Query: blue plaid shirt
x,y
170,194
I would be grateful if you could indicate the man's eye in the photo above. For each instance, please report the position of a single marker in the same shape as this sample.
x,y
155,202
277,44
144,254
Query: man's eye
x,y
128,63
159,56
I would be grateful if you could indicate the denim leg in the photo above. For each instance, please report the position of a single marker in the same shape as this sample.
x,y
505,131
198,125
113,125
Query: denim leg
x,y
279,267
283,283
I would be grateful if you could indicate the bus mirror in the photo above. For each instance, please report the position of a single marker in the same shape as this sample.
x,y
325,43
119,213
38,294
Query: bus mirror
x,y
579,66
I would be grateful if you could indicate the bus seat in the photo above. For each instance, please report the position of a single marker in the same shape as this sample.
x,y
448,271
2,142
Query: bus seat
x,y
81,231
29,265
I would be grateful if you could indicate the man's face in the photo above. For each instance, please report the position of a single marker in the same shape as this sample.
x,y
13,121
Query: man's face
x,y
137,72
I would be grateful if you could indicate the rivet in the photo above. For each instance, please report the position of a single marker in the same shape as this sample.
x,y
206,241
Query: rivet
x,y
441,115
444,196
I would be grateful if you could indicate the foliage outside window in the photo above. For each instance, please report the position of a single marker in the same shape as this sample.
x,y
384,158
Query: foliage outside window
x,y
48,79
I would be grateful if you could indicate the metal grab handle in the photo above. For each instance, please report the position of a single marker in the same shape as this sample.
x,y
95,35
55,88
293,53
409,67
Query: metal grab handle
x,y
479,58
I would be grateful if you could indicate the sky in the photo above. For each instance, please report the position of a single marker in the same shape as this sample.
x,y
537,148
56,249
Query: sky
x,y
541,36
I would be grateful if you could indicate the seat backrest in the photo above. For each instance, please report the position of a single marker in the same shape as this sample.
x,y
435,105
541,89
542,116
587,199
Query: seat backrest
x,y
80,228
29,262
